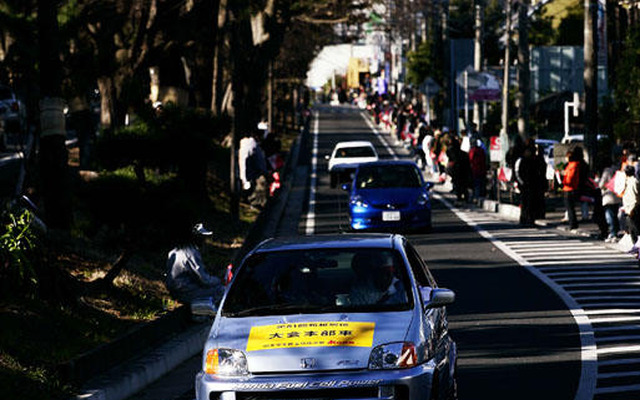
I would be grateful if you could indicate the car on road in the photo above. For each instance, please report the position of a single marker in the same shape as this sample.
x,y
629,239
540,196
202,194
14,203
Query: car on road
x,y
346,156
352,316
12,111
389,195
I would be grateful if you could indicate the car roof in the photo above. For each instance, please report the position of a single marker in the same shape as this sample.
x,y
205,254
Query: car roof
x,y
353,143
335,241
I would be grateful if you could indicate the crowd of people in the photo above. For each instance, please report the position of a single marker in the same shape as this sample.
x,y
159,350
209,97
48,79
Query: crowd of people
x,y
442,153
463,159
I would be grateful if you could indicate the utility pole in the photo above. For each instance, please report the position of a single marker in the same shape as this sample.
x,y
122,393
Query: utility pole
x,y
523,95
504,132
591,78
448,73
477,54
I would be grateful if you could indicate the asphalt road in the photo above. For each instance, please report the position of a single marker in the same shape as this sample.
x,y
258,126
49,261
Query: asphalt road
x,y
516,337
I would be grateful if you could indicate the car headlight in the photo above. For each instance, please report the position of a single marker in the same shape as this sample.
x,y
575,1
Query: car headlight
x,y
358,201
227,362
397,355
423,199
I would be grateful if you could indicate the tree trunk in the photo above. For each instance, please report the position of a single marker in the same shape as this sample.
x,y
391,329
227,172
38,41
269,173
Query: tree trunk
x,y
590,76
106,101
217,89
53,152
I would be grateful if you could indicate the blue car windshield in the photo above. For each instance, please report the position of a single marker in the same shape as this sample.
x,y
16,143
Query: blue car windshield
x,y
319,281
388,176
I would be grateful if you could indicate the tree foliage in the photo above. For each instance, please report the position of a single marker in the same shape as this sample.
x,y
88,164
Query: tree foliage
x,y
424,63
627,90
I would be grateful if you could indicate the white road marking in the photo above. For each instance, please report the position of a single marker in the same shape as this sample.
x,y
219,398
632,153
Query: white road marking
x,y
589,356
311,213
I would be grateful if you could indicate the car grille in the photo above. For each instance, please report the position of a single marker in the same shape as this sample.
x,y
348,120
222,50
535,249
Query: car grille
x,y
394,206
320,394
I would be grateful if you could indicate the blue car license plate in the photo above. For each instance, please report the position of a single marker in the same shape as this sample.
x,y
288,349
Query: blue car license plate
x,y
391,215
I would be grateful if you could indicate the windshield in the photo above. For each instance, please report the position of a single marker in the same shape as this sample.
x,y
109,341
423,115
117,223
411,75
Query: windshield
x,y
388,176
349,152
319,281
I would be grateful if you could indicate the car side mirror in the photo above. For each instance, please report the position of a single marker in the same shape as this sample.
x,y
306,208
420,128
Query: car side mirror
x,y
428,185
440,297
345,187
204,307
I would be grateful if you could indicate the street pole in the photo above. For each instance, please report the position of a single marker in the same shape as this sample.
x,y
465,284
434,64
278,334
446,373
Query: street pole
x,y
504,132
448,65
477,54
523,70
590,78
466,98
270,98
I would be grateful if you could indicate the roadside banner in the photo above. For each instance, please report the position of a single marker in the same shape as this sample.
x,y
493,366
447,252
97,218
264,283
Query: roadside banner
x,y
495,149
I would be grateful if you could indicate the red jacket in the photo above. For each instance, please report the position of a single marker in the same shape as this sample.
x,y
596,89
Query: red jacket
x,y
571,177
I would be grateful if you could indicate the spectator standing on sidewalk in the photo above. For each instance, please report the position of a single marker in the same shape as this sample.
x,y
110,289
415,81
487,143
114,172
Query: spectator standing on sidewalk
x,y
530,174
590,193
630,204
478,160
570,182
459,168
610,201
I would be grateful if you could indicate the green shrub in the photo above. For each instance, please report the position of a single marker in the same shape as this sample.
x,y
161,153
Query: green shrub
x,y
19,246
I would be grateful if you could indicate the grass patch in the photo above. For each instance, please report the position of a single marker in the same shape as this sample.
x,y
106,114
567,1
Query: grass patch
x,y
38,337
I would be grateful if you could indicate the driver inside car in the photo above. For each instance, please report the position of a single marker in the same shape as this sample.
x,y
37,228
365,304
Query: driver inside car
x,y
375,280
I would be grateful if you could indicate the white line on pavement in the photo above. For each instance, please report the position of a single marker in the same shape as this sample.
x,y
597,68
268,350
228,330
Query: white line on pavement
x,y
589,357
311,213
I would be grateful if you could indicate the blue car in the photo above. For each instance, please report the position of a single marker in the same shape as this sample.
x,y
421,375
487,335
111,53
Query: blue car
x,y
354,316
389,195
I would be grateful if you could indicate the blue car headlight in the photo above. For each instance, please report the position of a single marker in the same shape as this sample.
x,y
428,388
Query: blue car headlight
x,y
423,199
358,201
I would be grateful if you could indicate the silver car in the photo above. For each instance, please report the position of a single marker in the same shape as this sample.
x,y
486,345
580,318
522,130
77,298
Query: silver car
x,y
330,317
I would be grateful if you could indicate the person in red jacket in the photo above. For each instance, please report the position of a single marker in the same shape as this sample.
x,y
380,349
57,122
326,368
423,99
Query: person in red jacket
x,y
478,160
570,185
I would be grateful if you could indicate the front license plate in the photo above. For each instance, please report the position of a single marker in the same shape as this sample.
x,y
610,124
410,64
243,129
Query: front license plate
x,y
391,215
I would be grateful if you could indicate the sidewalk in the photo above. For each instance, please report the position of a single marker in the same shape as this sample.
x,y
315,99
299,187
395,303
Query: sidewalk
x,y
554,214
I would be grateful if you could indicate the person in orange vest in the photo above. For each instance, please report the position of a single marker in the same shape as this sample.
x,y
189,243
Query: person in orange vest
x,y
570,184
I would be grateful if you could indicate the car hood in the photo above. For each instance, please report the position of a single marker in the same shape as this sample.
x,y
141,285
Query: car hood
x,y
314,342
393,196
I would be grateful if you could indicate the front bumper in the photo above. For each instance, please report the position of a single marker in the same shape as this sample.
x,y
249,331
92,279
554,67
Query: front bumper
x,y
407,384
371,218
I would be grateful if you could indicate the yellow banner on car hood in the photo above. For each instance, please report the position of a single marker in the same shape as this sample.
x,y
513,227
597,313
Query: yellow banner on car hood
x,y
311,334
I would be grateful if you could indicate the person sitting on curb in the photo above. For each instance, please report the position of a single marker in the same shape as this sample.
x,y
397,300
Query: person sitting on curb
x,y
187,278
